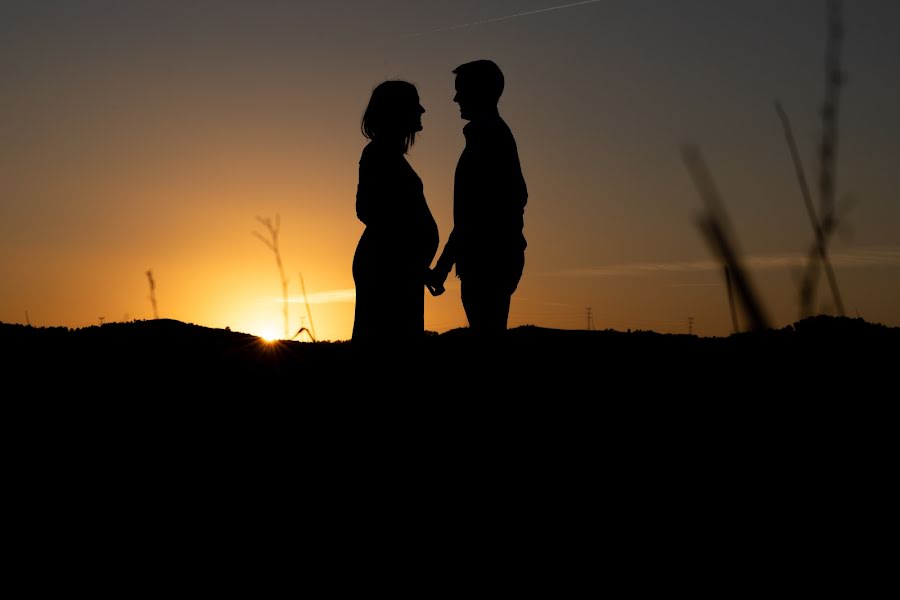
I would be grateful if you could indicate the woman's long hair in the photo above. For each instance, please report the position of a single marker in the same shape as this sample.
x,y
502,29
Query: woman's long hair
x,y
388,111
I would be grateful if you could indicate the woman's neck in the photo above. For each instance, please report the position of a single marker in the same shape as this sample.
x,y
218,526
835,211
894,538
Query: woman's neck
x,y
392,143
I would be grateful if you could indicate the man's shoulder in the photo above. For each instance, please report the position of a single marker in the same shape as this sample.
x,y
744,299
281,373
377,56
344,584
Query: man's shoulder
x,y
493,131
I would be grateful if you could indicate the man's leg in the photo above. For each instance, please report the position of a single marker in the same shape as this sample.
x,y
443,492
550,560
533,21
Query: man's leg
x,y
486,294
486,305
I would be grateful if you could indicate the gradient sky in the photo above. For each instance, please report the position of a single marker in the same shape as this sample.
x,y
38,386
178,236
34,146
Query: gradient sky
x,y
141,135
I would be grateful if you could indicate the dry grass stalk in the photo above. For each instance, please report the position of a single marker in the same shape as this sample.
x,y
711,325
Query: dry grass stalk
x,y
827,221
312,327
716,230
152,293
272,243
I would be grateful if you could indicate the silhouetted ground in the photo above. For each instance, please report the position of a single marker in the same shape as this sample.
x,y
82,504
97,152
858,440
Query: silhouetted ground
x,y
633,438
165,357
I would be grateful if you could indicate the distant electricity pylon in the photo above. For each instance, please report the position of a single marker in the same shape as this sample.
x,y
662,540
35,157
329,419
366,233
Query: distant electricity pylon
x,y
590,319
152,293
690,325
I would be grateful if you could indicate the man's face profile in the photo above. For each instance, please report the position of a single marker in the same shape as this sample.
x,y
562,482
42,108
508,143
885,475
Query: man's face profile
x,y
463,98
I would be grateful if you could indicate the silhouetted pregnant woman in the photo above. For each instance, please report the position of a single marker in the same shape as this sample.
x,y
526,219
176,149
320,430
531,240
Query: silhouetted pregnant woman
x,y
392,259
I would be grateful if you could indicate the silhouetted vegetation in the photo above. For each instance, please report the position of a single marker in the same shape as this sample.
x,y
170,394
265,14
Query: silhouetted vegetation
x,y
152,292
311,331
713,222
272,244
716,228
825,223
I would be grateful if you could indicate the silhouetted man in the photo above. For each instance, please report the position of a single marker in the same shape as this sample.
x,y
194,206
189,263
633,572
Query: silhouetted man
x,y
487,244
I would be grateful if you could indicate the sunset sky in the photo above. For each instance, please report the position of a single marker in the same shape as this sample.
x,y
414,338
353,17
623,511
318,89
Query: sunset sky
x,y
138,134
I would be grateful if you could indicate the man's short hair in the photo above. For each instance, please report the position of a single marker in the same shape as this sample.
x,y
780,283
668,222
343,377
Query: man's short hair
x,y
483,75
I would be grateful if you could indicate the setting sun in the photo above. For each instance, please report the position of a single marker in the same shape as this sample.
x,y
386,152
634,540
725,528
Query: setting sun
x,y
268,335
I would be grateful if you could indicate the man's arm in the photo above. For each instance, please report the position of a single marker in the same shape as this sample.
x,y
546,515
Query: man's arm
x,y
444,264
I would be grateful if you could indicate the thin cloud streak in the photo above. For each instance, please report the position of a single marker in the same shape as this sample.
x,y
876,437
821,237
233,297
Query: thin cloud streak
x,y
862,259
503,18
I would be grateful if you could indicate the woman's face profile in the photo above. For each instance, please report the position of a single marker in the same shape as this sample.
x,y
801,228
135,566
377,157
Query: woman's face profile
x,y
416,111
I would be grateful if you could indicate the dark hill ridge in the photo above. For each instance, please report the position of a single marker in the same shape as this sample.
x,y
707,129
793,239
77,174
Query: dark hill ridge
x,y
841,351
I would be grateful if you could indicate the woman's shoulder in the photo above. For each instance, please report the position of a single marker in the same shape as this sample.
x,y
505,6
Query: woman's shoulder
x,y
369,152
379,156
375,150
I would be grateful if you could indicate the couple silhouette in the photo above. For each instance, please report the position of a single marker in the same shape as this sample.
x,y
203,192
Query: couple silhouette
x,y
393,259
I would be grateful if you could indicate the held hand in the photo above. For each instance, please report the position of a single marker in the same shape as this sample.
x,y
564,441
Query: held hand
x,y
435,283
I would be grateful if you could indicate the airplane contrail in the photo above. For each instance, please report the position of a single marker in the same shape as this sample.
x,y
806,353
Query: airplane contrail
x,y
504,18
